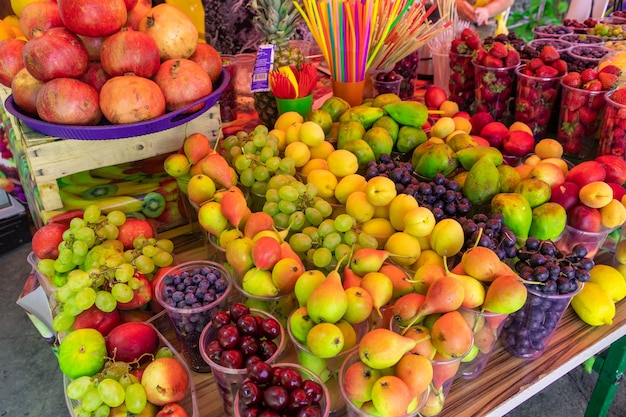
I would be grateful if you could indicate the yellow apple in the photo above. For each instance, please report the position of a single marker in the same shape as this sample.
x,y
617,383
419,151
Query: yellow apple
x,y
596,194
443,127
419,222
342,162
380,190
405,249
312,134
359,207
613,214
325,181
399,206
348,185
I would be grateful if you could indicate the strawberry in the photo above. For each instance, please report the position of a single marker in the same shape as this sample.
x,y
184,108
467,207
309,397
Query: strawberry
x,y
499,50
572,79
549,54
560,65
575,101
619,96
457,44
607,80
467,33
527,71
479,56
512,58
492,61
546,71
473,42
587,115
593,85
588,74
611,69
534,64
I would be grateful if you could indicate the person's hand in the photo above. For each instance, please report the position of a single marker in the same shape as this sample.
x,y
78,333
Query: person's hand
x,y
465,10
482,15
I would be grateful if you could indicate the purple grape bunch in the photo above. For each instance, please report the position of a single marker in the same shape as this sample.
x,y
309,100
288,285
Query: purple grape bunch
x,y
489,231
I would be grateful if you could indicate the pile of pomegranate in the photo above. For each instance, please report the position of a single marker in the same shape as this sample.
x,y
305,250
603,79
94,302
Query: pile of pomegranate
x,y
121,60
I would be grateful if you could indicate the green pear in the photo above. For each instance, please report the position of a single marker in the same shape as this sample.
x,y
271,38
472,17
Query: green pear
x,y
506,294
409,138
548,222
300,324
482,181
328,302
314,364
382,348
509,178
239,255
325,340
258,282
536,191
516,212
306,283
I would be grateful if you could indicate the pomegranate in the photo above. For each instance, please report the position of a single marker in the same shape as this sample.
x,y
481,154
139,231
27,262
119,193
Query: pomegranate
x,y
131,99
25,88
130,51
93,46
55,53
93,17
130,4
209,59
182,82
10,59
95,75
137,13
173,31
41,16
68,101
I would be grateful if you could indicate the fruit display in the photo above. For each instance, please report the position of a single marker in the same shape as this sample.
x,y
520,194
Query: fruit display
x,y
582,39
580,57
551,31
613,138
533,48
607,31
387,82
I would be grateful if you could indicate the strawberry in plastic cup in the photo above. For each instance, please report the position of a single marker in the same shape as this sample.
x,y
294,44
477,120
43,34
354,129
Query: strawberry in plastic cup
x,y
462,83
613,135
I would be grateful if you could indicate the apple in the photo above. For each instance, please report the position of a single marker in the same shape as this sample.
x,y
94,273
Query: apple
x,y
596,194
587,219
586,172
494,132
419,222
463,114
618,190
566,194
94,318
434,96
134,228
615,168
46,240
142,295
518,143
549,173
172,410
165,381
480,120
380,191
130,341
155,306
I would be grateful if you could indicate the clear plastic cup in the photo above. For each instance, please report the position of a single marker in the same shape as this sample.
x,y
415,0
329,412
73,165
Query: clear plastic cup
x,y
535,99
593,241
494,90
462,82
383,87
612,135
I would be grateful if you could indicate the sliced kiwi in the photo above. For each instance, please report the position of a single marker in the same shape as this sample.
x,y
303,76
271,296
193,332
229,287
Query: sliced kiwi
x,y
99,191
153,204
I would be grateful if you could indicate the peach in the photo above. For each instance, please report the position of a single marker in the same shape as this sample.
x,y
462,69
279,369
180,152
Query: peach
x,y
586,172
480,120
434,96
596,194
549,148
613,214
585,218
549,173
518,143
494,132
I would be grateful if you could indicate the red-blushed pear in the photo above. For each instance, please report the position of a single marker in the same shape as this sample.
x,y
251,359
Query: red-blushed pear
x,y
132,229
46,239
615,167
196,146
382,348
215,166
380,288
584,218
328,301
443,370
94,318
505,295
235,208
423,342
171,409
358,382
366,260
391,396
212,219
165,381
239,255
406,307
586,172
132,341
565,194
256,222
416,371
479,120
399,279
451,335
359,306
266,252
285,273
286,251
141,295
550,173
350,278
426,275
306,283
596,194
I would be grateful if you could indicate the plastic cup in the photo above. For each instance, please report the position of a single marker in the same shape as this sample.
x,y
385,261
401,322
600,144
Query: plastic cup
x,y
535,99
560,44
307,375
228,380
462,83
585,61
228,99
384,87
551,31
352,92
579,120
582,39
593,241
301,106
330,367
189,322
408,67
494,90
486,327
368,88
527,332
441,69
354,410
613,135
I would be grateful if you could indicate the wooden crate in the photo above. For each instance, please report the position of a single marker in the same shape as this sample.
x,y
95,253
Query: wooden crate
x,y
50,158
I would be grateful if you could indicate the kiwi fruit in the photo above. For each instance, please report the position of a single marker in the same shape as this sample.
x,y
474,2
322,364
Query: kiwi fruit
x,y
153,204
99,191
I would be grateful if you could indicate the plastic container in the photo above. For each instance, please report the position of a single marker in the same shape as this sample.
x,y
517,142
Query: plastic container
x,y
551,31
408,67
527,332
384,87
560,44
582,39
494,90
598,52
45,282
612,140
462,83
228,380
593,241
190,322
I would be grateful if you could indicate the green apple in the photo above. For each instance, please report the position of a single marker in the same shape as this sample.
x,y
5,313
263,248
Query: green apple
x,y
82,353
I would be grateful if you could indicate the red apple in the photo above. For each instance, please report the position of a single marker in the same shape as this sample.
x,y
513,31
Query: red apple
x,y
566,195
548,172
154,304
518,143
462,114
615,168
172,410
142,295
94,318
133,228
586,172
618,190
494,132
584,218
165,381
480,120
135,315
434,96
46,240
128,342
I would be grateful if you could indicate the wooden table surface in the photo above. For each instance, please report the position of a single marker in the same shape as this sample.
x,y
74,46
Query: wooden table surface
x,y
506,381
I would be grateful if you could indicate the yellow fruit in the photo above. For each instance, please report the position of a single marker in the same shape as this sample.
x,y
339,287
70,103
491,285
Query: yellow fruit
x,y
322,150
312,134
313,163
443,127
593,305
300,153
449,108
548,148
282,138
6,32
610,279
342,162
288,118
520,126
461,123
18,5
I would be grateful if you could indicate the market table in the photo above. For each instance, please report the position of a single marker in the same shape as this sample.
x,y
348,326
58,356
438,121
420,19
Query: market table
x,y
507,381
